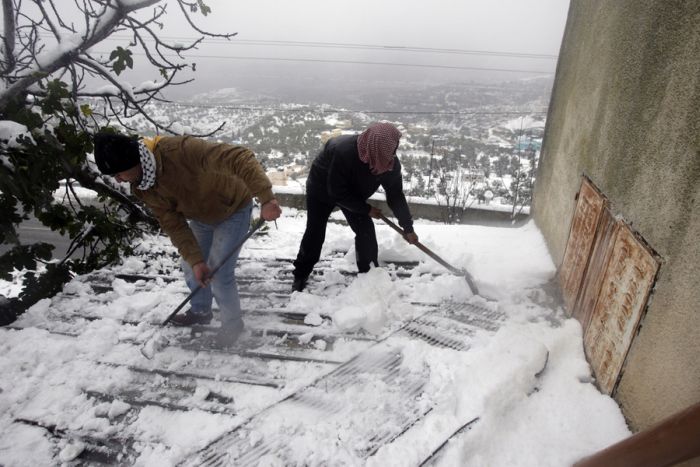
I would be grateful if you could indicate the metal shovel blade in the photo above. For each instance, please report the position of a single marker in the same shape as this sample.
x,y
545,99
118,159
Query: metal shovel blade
x,y
427,251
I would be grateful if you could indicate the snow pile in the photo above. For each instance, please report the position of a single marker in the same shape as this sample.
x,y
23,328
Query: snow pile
x,y
530,394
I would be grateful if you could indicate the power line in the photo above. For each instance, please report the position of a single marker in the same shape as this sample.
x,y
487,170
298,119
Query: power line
x,y
358,62
394,48
343,45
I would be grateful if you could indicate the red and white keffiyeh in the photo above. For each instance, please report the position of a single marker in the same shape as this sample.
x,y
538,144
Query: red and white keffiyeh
x,y
377,146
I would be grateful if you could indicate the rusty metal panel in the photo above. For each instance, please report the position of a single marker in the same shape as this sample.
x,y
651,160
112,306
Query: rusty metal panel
x,y
627,281
581,237
605,237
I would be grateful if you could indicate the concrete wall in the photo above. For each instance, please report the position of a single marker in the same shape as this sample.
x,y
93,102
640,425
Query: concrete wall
x,y
428,211
625,110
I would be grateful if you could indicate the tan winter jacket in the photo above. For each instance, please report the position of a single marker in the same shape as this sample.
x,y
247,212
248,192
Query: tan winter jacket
x,y
200,180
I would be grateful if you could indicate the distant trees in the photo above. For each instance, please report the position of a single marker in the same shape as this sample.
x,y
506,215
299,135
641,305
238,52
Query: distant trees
x,y
452,185
454,190
484,163
523,180
47,70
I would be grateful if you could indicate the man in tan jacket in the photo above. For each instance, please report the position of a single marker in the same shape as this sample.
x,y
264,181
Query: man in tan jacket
x,y
201,193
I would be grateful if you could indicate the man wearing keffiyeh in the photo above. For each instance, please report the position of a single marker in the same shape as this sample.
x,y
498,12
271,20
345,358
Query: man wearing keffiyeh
x,y
347,171
201,193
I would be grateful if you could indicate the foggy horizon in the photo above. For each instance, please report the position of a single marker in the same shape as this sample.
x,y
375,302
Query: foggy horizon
x,y
305,49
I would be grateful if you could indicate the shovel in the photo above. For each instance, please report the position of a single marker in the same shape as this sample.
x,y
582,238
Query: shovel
x,y
157,341
427,251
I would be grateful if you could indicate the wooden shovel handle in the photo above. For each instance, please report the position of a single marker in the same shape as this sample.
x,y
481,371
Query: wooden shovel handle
x,y
258,223
427,251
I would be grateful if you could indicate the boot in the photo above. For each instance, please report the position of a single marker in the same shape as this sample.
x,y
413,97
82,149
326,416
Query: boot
x,y
190,318
299,284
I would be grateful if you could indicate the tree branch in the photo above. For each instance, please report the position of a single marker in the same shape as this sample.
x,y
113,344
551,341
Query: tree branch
x,y
47,18
8,37
182,4
103,26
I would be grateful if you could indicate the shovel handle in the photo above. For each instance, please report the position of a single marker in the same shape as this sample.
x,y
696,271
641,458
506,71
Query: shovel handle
x,y
258,223
427,251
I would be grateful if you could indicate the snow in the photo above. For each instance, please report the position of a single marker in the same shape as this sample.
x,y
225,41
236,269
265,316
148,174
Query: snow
x,y
10,134
10,131
13,287
107,90
179,129
527,416
524,123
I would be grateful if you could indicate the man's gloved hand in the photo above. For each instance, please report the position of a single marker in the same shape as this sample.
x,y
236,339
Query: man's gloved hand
x,y
270,210
202,273
411,238
375,212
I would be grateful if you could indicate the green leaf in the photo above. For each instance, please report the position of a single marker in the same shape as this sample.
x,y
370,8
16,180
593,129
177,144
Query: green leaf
x,y
122,59
55,91
205,9
41,162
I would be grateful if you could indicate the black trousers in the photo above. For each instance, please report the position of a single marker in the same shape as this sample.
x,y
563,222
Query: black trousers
x,y
318,210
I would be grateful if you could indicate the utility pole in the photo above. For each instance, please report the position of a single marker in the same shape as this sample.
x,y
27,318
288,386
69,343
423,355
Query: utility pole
x,y
430,167
516,191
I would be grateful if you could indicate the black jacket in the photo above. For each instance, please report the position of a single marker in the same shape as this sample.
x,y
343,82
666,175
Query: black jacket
x,y
338,174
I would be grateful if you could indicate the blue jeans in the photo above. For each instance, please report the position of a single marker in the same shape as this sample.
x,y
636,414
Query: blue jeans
x,y
216,241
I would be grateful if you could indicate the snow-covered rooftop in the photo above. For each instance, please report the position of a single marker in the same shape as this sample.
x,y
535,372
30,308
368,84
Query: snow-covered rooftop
x,y
375,369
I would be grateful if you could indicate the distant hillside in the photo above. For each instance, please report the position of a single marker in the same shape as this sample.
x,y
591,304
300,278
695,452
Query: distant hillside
x,y
396,97
481,137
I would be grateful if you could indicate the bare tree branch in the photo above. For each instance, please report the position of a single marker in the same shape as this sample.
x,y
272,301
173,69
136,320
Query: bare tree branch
x,y
69,59
47,18
8,39
182,5
59,19
103,26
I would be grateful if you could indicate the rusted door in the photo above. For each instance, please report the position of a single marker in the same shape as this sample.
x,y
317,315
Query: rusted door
x,y
606,277
625,284
605,237
589,207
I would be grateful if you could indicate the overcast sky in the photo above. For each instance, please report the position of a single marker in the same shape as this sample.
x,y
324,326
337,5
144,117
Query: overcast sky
x,y
467,27
531,26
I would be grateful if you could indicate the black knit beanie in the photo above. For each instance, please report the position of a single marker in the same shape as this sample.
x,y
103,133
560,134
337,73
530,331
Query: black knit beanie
x,y
115,153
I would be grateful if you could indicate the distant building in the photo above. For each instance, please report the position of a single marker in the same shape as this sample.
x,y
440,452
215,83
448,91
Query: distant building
x,y
326,135
277,177
527,143
282,177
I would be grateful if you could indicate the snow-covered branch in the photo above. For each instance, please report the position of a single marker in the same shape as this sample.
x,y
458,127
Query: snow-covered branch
x,y
51,47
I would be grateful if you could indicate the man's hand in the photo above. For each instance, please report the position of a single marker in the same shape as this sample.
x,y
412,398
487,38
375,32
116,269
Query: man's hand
x,y
411,238
375,212
270,210
202,273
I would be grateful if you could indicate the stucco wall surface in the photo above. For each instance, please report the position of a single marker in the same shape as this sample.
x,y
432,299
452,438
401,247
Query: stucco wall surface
x,y
625,110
